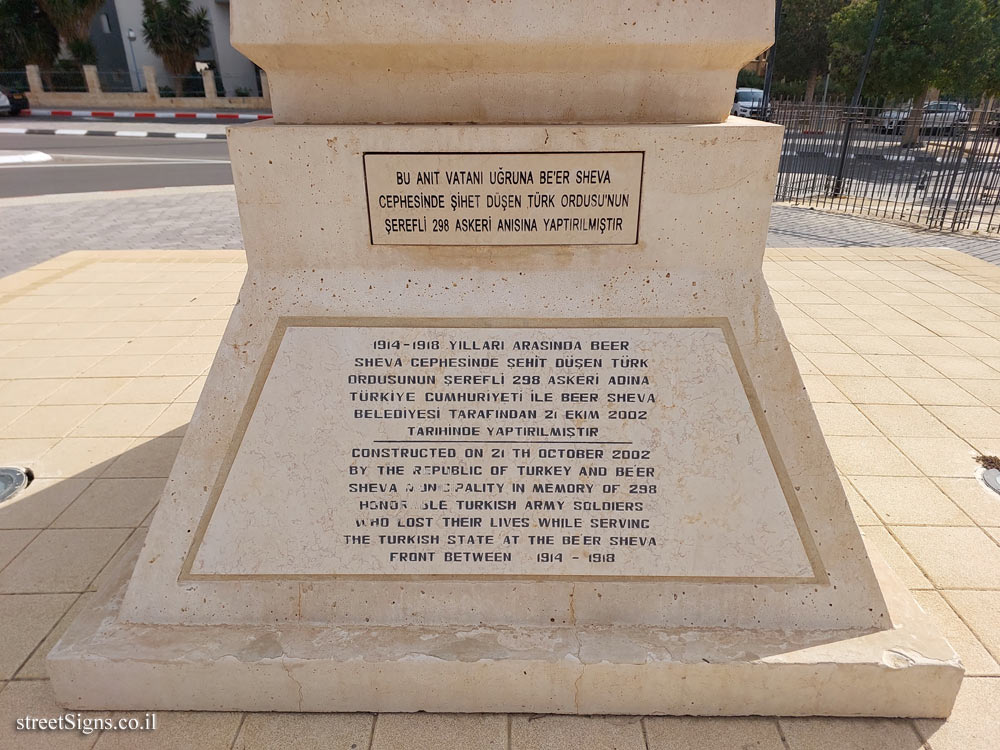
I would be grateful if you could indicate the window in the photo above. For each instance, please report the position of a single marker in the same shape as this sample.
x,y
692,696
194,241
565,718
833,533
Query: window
x,y
105,23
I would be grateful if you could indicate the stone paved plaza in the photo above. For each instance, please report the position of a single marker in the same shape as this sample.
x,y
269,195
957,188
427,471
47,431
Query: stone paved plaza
x,y
195,218
103,355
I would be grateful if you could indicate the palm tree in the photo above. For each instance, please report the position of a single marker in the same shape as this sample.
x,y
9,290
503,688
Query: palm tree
x,y
27,37
175,33
72,19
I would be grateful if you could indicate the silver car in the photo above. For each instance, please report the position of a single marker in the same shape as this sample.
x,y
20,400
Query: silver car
x,y
939,117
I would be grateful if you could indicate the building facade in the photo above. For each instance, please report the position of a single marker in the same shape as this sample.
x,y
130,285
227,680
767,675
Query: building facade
x,y
121,59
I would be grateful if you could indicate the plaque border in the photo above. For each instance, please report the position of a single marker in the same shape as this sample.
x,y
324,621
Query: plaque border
x,y
723,324
368,204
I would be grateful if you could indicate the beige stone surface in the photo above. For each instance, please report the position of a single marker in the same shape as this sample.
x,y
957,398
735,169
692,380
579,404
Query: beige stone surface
x,y
273,731
980,610
955,625
685,732
24,620
857,734
429,732
570,732
63,560
935,547
512,62
969,727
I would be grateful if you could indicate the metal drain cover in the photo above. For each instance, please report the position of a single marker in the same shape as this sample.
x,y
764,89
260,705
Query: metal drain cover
x,y
991,478
12,481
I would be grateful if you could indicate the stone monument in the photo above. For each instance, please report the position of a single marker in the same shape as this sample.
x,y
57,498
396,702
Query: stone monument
x,y
504,418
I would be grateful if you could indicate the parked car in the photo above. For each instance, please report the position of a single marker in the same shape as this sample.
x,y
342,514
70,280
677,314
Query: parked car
x,y
939,117
748,103
12,102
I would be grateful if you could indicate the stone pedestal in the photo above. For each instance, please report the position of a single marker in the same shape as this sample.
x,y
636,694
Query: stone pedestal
x,y
504,419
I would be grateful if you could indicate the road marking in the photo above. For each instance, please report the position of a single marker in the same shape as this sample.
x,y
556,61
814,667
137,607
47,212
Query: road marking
x,y
70,131
130,133
185,159
190,135
56,165
17,131
25,157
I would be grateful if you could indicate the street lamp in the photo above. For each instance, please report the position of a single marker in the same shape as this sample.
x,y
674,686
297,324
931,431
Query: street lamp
x,y
135,66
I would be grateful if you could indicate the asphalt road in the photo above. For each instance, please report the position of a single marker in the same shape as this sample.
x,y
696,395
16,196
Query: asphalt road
x,y
90,163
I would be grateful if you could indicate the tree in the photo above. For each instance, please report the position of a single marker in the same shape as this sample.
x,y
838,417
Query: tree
x,y
72,19
175,33
803,42
27,37
923,44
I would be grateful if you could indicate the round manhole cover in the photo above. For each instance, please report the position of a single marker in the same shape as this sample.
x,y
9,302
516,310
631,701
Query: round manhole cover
x,y
989,472
12,481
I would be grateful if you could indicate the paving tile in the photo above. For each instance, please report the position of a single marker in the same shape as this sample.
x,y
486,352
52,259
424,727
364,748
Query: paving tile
x,y
904,420
994,533
193,392
878,390
146,457
932,346
702,733
79,456
879,540
843,364
903,366
38,505
850,734
12,541
34,698
180,730
939,456
936,391
25,620
878,344
151,390
869,456
987,391
172,422
974,723
110,572
962,367
112,503
818,343
909,500
280,731
119,420
48,421
982,505
843,419
953,556
981,612
574,732
437,731
34,668
863,514
27,392
85,391
821,390
61,560
978,421
976,659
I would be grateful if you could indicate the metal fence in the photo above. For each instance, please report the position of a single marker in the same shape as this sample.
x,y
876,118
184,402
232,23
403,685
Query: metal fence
x,y
116,81
855,160
16,80
63,80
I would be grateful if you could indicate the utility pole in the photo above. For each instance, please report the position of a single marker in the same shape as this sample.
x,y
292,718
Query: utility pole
x,y
838,183
765,104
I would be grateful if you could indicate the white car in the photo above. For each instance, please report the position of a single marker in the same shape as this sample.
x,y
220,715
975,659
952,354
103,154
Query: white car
x,y
748,103
939,117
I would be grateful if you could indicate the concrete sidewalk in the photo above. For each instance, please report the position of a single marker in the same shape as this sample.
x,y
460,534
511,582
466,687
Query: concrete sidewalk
x,y
43,227
103,356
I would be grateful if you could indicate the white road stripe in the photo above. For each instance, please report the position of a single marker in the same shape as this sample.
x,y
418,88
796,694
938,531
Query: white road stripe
x,y
18,131
190,135
130,133
70,131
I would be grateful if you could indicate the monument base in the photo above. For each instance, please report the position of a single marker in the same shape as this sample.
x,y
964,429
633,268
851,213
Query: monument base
x,y
907,671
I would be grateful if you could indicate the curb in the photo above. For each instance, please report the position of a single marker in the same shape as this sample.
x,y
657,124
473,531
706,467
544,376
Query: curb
x,y
120,133
145,115
23,157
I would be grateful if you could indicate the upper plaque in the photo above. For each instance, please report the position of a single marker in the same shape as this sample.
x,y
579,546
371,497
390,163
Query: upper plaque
x,y
504,198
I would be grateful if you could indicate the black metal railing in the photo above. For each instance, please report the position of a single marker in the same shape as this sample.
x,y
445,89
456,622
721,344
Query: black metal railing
x,y
873,160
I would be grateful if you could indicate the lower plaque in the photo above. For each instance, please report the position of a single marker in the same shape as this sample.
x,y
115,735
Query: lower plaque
x,y
612,450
